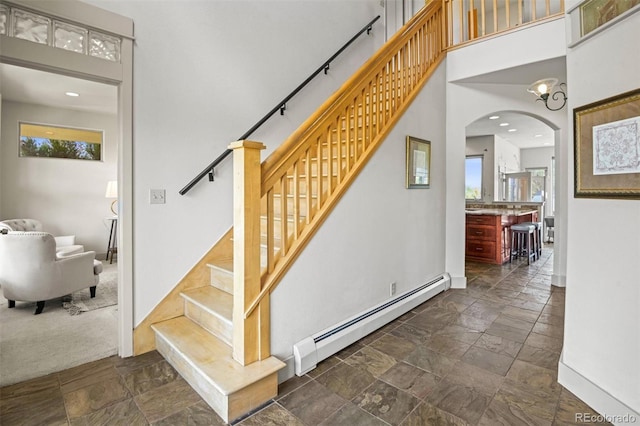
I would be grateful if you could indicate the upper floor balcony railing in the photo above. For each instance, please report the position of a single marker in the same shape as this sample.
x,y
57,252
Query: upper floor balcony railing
x,y
469,20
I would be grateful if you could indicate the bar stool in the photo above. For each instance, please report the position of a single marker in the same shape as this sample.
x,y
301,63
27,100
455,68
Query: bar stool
x,y
522,242
537,237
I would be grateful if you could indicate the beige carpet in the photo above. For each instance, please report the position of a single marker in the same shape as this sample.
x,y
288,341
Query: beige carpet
x,y
36,345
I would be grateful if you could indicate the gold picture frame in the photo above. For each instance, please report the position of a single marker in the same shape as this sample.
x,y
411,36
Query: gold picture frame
x,y
418,163
607,148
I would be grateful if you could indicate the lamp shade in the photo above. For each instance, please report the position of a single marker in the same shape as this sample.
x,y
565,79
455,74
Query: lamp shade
x,y
543,87
112,189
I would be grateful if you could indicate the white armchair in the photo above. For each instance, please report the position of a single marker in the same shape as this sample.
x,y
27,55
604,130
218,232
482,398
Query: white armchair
x,y
30,270
65,245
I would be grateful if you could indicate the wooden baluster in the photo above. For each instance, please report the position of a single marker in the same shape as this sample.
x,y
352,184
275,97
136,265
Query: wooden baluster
x,y
330,158
533,10
461,19
246,251
495,16
271,246
507,14
284,214
307,183
369,115
319,185
483,18
296,201
547,8
519,12
347,141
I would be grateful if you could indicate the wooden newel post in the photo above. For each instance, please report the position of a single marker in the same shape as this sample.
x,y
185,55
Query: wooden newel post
x,y
246,249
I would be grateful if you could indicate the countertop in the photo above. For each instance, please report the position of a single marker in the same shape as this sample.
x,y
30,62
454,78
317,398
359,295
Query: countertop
x,y
500,212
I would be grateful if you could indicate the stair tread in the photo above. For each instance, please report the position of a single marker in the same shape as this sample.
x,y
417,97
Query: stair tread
x,y
212,356
212,299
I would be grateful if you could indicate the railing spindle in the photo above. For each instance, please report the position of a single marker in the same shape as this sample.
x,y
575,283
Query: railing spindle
x,y
284,214
271,246
519,12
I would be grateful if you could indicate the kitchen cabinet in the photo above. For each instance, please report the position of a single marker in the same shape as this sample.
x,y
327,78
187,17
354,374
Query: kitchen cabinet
x,y
488,233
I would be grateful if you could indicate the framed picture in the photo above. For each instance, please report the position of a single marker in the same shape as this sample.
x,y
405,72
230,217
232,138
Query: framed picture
x,y
47,141
418,163
607,147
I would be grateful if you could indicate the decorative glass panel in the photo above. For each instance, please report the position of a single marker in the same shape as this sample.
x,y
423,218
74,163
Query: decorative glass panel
x,y
69,37
104,46
32,27
4,20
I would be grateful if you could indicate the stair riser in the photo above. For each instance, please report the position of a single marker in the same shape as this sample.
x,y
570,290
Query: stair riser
x,y
210,322
222,280
216,400
228,407
252,397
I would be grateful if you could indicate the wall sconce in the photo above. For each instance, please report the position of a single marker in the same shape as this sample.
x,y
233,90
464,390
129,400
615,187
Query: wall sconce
x,y
543,88
112,192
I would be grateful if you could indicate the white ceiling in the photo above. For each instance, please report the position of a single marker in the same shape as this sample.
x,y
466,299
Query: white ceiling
x,y
43,88
529,132
526,127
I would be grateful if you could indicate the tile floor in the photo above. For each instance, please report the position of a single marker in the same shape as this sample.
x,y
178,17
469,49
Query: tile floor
x,y
486,355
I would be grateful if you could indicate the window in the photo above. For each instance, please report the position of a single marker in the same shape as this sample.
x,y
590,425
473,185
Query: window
x,y
59,142
473,177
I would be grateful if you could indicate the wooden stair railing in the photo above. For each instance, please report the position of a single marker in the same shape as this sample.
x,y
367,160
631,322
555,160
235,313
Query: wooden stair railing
x,y
303,179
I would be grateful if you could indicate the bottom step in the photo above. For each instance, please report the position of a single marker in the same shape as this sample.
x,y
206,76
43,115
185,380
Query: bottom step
x,y
206,363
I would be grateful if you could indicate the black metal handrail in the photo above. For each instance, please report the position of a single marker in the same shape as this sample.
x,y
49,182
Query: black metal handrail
x,y
281,106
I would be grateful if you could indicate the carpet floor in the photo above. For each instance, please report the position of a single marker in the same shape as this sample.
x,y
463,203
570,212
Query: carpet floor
x,y
36,345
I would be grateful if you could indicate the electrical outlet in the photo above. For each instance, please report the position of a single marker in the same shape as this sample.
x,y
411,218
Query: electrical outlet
x,y
157,196
392,289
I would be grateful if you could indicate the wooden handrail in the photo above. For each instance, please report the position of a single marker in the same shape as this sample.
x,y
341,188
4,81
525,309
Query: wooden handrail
x,y
331,147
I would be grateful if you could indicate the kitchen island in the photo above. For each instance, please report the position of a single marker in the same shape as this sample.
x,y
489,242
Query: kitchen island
x,y
488,230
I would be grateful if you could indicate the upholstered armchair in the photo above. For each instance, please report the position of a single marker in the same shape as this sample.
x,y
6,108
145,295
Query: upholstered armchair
x,y
65,245
30,270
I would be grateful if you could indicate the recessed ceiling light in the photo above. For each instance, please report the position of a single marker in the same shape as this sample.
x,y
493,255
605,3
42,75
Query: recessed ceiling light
x,y
73,94
504,124
538,136
547,143
513,130
494,117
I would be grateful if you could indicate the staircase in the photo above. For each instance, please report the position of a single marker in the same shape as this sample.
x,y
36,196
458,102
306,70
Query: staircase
x,y
199,346
214,326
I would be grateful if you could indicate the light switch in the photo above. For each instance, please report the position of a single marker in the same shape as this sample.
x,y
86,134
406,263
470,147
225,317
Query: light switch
x,y
157,196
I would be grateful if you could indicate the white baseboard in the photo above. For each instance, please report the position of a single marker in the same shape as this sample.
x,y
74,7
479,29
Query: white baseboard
x,y
559,280
612,409
288,371
458,282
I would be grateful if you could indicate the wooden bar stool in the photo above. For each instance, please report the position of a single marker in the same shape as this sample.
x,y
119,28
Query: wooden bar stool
x,y
522,237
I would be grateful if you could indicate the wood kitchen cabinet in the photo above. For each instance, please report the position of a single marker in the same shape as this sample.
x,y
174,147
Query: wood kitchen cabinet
x,y
488,236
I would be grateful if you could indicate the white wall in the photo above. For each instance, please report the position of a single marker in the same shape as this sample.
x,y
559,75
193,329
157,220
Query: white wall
x,y
373,237
67,196
204,73
602,319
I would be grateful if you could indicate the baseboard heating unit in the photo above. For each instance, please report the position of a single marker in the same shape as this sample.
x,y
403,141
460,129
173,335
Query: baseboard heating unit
x,y
310,351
